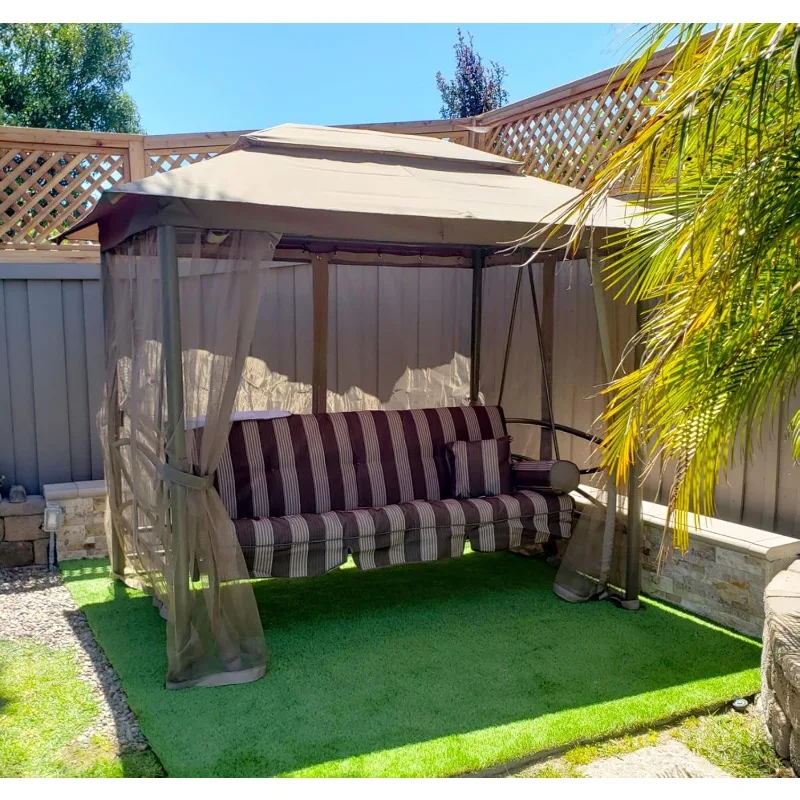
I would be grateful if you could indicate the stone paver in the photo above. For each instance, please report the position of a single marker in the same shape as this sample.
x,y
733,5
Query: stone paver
x,y
672,759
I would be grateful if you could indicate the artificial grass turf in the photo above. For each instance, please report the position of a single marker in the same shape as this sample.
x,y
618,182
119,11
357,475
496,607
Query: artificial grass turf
x,y
420,670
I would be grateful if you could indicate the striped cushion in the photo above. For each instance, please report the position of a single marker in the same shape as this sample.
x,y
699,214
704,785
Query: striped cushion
x,y
315,463
545,476
311,544
481,468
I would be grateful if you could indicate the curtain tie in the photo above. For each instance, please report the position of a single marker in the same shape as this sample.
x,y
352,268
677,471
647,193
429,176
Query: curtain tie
x,y
187,479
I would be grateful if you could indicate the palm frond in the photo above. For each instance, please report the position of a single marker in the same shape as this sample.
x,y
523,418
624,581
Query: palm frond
x,y
720,157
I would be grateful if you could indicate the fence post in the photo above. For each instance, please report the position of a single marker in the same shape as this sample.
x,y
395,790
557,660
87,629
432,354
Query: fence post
x,y
137,160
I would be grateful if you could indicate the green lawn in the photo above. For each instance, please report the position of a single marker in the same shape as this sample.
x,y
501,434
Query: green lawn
x,y
44,707
422,670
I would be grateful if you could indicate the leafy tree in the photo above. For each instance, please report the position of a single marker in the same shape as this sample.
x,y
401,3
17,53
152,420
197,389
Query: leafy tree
x,y
720,156
475,88
66,75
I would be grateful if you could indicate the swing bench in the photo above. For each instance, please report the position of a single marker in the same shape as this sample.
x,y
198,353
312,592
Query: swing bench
x,y
305,491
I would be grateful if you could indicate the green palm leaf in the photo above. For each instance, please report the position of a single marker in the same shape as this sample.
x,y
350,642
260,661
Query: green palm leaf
x,y
721,346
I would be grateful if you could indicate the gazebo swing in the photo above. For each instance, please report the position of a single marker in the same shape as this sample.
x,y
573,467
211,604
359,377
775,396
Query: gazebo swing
x,y
205,492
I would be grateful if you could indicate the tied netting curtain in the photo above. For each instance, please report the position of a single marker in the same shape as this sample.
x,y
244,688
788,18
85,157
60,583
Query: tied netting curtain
x,y
593,556
163,438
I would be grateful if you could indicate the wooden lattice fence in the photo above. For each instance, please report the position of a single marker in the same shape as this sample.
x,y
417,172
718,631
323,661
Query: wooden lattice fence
x,y
567,133
46,189
49,179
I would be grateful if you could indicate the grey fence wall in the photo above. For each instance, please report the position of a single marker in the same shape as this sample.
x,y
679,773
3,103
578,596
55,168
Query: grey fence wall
x,y
382,320
51,373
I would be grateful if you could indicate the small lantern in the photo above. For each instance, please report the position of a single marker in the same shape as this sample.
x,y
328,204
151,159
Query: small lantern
x,y
53,518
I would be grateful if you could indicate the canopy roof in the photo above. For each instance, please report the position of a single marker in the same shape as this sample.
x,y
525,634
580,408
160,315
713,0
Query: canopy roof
x,y
348,185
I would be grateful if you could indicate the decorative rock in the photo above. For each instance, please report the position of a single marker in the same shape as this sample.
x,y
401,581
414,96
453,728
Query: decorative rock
x,y
17,494
791,669
794,750
713,578
781,663
33,505
25,529
16,554
779,729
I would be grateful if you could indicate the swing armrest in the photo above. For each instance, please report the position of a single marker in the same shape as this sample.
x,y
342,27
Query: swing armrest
x,y
540,423
545,476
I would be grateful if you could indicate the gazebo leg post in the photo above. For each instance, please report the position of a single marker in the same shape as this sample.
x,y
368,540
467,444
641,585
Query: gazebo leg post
x,y
176,433
634,538
633,553
319,368
116,550
478,260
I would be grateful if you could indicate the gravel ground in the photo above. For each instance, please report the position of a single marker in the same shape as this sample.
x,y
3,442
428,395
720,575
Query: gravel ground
x,y
35,604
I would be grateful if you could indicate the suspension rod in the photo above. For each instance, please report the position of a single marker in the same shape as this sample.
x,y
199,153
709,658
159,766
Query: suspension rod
x,y
507,354
545,379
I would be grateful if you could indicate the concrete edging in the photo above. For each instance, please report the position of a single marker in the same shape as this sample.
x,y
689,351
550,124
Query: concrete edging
x,y
717,532
69,491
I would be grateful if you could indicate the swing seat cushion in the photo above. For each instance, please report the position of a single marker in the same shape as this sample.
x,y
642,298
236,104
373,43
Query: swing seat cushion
x,y
304,545
303,492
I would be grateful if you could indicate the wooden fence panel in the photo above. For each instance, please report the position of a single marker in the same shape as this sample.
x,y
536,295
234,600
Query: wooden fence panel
x,y
787,502
523,393
398,327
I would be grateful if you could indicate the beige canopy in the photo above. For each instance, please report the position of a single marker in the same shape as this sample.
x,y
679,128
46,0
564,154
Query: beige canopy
x,y
351,185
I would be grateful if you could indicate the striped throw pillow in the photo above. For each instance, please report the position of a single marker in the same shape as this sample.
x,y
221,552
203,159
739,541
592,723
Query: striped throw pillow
x,y
481,468
545,476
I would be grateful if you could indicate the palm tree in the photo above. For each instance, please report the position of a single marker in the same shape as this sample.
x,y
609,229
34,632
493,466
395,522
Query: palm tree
x,y
720,155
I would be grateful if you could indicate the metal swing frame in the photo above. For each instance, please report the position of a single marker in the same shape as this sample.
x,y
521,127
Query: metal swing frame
x,y
630,599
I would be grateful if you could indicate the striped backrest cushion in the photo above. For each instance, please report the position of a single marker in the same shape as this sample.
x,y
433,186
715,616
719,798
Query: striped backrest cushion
x,y
481,468
546,476
313,463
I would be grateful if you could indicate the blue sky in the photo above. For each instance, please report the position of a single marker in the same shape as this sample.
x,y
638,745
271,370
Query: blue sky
x,y
208,77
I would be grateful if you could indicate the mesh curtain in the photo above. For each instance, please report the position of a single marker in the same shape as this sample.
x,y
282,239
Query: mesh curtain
x,y
593,555
214,633
398,337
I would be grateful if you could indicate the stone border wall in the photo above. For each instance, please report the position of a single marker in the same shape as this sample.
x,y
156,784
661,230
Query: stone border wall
x,y
721,577
723,574
82,533
22,540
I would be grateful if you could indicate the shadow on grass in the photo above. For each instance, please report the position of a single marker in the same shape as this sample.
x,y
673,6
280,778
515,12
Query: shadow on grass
x,y
408,671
